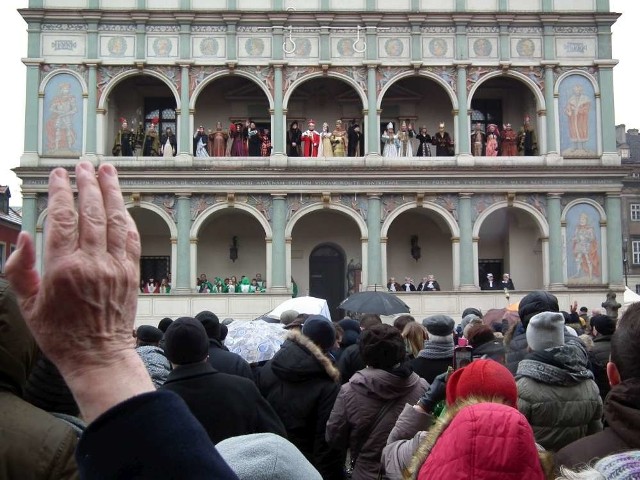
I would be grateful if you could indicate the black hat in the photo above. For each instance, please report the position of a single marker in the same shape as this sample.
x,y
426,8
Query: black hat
x,y
164,324
210,322
439,325
473,310
536,302
604,324
584,309
320,330
382,346
186,341
148,334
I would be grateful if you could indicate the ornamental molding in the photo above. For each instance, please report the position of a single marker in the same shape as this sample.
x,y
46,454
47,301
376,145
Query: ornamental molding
x,y
63,27
162,28
116,28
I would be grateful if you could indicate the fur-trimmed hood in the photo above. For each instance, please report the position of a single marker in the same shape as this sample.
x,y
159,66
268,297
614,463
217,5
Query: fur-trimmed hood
x,y
437,430
300,359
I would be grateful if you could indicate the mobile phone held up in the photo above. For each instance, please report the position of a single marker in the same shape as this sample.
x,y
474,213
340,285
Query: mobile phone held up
x,y
462,354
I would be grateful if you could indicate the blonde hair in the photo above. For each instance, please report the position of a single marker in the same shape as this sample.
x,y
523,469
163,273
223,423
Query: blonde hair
x,y
414,335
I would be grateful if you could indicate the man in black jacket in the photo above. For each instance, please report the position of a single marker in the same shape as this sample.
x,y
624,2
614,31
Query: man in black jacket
x,y
225,405
220,358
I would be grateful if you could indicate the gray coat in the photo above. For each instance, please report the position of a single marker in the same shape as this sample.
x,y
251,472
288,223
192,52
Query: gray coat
x,y
357,406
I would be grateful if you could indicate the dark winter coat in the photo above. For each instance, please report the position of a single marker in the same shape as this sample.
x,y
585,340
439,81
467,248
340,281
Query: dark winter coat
x,y
350,362
225,405
599,356
33,443
493,350
301,384
357,407
515,343
557,394
622,414
152,435
435,358
228,362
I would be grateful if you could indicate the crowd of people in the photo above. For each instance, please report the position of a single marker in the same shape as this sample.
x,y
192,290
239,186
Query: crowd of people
x,y
231,284
550,395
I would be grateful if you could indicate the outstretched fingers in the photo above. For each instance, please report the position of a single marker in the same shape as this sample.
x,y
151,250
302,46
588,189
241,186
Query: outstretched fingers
x,y
115,211
92,217
61,237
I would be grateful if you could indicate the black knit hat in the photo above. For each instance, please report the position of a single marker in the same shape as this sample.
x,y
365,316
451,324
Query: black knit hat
x,y
604,324
320,330
148,334
382,346
164,324
186,341
536,302
210,322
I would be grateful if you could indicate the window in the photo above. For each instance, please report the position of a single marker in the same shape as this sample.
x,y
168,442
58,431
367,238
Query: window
x,y
635,249
486,111
635,212
3,248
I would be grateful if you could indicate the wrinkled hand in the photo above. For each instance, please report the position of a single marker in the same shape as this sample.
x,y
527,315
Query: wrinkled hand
x,y
436,392
82,310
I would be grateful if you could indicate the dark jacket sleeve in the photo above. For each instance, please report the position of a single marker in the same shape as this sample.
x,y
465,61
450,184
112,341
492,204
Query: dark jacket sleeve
x,y
149,436
267,420
328,460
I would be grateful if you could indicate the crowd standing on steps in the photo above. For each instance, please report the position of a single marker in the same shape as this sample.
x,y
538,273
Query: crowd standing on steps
x,y
529,401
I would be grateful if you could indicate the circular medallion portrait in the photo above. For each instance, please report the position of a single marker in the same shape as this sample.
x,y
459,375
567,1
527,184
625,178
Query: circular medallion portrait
x,y
482,47
345,47
254,46
209,47
438,47
303,47
393,47
162,47
526,47
117,46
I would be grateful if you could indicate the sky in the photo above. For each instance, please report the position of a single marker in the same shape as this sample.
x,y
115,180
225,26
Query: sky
x,y
626,39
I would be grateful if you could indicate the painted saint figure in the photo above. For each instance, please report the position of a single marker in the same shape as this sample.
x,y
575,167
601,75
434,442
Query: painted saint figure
x,y
585,249
577,111
310,140
60,125
218,141
391,142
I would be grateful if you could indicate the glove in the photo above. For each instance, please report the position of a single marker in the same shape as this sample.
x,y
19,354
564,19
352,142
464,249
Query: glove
x,y
435,393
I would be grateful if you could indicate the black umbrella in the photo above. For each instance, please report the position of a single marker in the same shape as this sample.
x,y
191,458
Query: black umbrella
x,y
382,303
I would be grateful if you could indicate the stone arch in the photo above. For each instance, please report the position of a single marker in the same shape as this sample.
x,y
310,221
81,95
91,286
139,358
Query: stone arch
x,y
224,73
591,78
349,212
173,229
115,81
588,201
338,76
441,211
536,214
431,76
537,93
254,212
50,75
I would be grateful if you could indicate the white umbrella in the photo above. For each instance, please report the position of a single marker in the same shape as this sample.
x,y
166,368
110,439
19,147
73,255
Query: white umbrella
x,y
630,296
310,305
255,341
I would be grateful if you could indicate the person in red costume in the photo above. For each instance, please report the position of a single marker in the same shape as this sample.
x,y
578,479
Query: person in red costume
x,y
310,140
508,142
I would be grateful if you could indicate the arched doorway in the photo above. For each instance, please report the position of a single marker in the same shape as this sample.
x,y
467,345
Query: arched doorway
x,y
229,100
327,275
418,101
139,99
155,240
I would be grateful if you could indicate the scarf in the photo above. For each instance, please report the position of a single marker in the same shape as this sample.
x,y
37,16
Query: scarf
x,y
564,365
436,351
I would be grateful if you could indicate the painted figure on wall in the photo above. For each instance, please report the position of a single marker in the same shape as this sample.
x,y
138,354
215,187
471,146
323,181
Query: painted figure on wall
x,y
578,122
339,140
310,140
478,141
583,245
492,145
390,141
527,140
63,125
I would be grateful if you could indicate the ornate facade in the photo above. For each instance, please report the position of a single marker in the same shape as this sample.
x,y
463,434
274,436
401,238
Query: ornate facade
x,y
551,219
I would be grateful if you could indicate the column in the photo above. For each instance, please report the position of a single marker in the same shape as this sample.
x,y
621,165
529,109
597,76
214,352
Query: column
x,y
416,44
549,99
92,88
231,42
462,135
183,264
278,243
505,47
602,5
184,140
609,149
325,44
554,217
613,210
372,136
31,114
374,266
30,213
467,264
277,138
141,40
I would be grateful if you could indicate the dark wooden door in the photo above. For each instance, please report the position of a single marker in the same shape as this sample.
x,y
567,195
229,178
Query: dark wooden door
x,y
327,276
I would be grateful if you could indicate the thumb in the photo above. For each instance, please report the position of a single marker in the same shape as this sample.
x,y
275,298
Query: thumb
x,y
20,269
